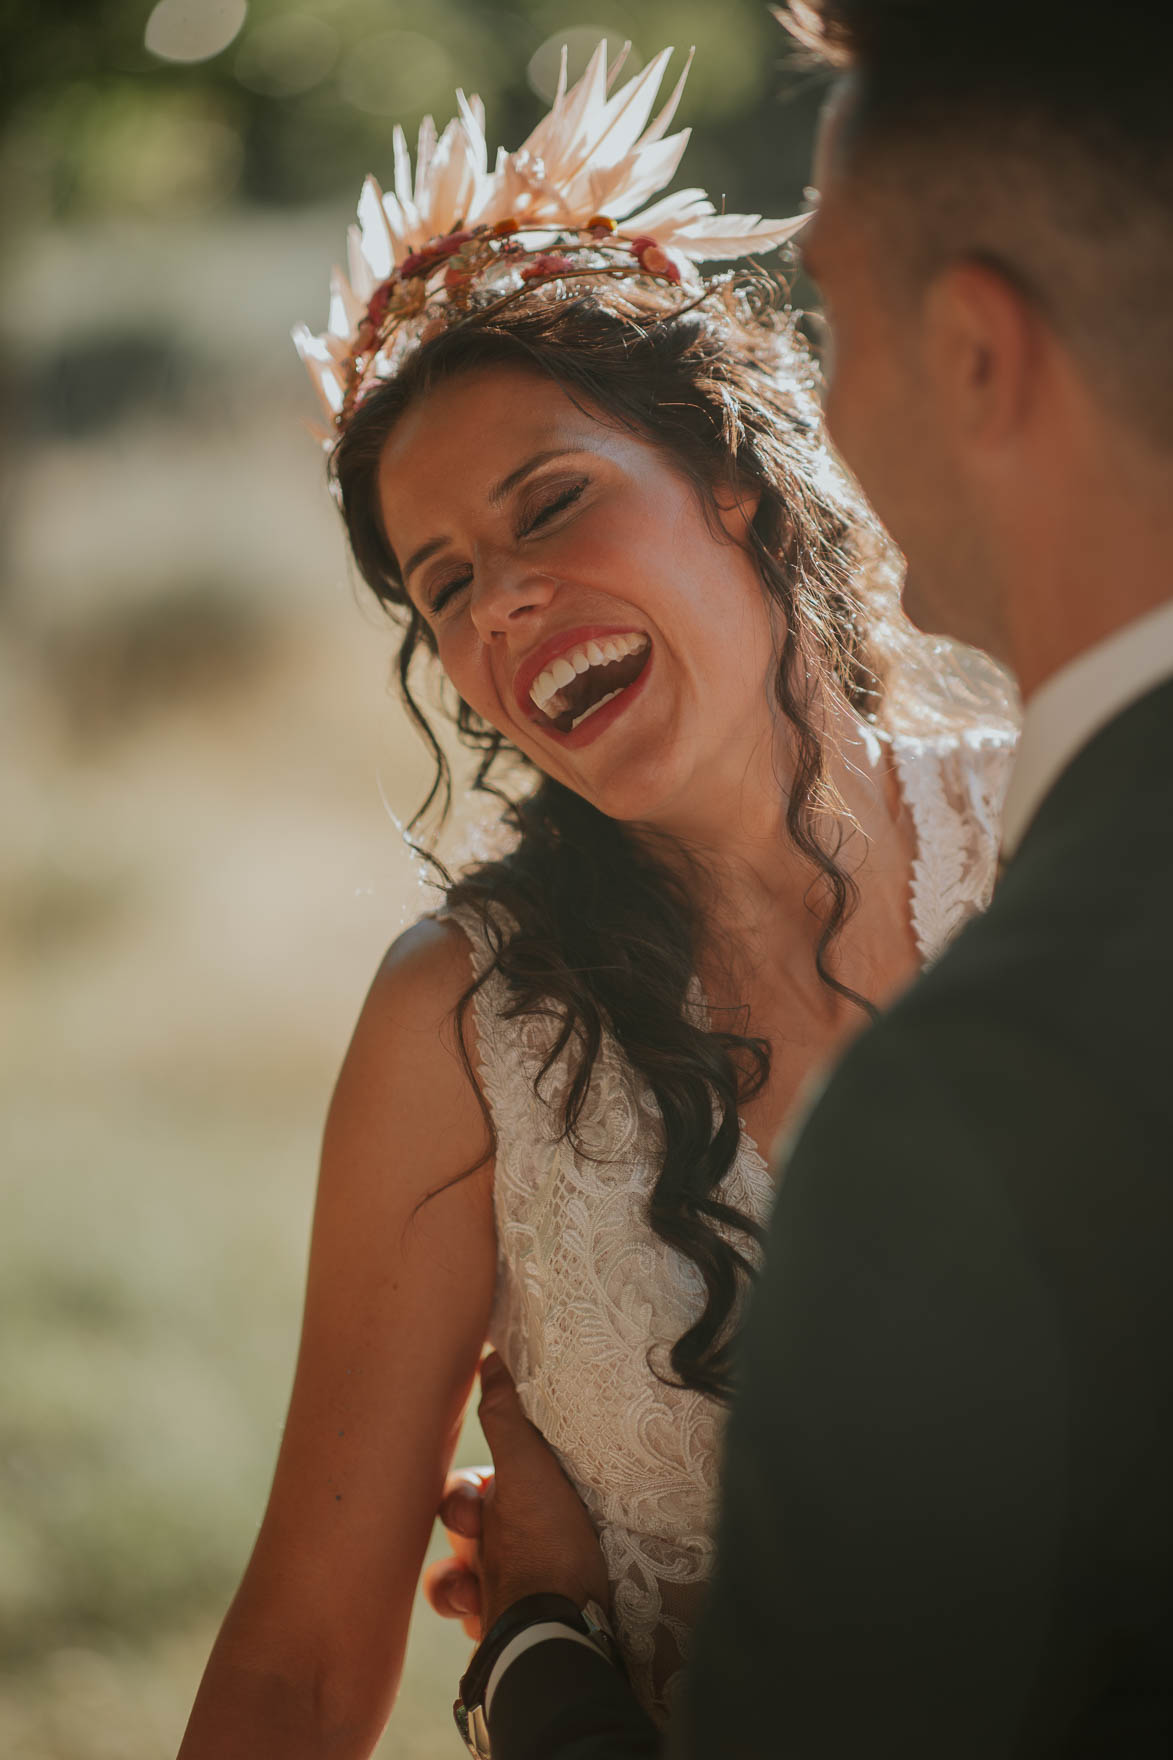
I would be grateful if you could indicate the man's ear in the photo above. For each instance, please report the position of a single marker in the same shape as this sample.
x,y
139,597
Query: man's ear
x,y
981,343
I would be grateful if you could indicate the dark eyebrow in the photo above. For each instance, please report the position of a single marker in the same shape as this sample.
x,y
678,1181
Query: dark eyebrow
x,y
506,486
423,554
497,494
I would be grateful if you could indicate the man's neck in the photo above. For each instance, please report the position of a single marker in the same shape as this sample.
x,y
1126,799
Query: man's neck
x,y
1091,564
1081,626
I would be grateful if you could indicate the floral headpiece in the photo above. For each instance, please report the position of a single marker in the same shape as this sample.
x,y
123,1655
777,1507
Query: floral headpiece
x,y
461,239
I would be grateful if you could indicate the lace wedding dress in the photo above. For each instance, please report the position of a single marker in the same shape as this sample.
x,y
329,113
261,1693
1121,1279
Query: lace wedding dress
x,y
589,1301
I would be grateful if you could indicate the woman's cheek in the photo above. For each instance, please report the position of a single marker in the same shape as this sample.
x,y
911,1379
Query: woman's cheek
x,y
466,664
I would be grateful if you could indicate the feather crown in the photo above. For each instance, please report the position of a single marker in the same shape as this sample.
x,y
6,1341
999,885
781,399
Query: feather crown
x,y
457,239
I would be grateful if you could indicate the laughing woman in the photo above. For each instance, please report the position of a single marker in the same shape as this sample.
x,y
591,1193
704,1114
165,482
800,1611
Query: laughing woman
x,y
594,490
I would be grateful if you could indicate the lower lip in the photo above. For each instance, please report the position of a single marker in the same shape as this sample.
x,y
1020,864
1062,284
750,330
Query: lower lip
x,y
588,731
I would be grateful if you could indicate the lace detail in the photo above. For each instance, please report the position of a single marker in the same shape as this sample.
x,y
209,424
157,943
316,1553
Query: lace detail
x,y
955,787
589,1301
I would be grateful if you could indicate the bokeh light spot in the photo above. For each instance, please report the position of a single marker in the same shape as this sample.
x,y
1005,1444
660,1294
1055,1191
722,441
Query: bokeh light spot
x,y
288,55
398,73
581,43
193,30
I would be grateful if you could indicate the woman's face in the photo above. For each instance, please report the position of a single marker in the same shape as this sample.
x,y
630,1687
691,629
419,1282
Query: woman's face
x,y
579,598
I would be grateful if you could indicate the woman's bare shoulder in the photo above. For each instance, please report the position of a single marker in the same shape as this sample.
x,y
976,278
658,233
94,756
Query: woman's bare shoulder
x,y
417,989
423,974
406,1068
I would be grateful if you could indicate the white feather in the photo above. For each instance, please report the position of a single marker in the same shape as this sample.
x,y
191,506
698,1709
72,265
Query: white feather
x,y
378,243
586,156
425,147
663,121
731,235
346,310
670,211
321,370
361,278
557,138
472,115
649,171
617,65
403,189
625,115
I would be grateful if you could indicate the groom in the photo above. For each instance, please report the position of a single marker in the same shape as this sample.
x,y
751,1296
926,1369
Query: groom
x,y
947,1525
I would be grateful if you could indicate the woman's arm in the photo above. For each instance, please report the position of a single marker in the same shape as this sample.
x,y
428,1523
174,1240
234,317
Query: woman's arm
x,y
397,1305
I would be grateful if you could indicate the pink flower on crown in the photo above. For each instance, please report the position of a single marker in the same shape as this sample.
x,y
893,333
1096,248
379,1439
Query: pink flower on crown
x,y
653,260
438,250
547,263
377,305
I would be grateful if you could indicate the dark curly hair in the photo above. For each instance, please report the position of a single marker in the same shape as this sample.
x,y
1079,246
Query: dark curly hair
x,y
608,932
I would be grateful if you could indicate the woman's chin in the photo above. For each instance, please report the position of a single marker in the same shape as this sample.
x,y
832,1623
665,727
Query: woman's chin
x,y
634,790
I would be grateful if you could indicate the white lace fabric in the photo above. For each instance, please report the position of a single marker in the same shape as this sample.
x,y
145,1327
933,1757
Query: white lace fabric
x,y
589,1301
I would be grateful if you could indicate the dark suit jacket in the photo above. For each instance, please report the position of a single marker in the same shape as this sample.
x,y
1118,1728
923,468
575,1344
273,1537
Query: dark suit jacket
x,y
947,1526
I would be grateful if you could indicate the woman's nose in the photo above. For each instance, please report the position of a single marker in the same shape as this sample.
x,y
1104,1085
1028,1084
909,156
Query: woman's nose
x,y
504,596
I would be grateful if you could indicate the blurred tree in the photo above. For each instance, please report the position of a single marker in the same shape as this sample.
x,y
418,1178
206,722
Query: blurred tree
x,y
297,106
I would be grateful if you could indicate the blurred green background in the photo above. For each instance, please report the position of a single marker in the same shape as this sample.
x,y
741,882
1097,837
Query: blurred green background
x,y
200,761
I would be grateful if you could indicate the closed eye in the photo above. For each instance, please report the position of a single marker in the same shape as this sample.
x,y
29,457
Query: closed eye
x,y
559,504
448,591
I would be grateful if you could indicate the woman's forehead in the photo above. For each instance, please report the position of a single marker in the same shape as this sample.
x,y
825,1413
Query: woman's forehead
x,y
495,407
470,433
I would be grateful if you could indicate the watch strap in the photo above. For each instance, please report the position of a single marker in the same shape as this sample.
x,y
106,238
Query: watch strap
x,y
556,1612
530,1610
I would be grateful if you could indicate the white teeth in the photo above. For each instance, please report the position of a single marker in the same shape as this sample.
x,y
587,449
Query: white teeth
x,y
567,667
593,710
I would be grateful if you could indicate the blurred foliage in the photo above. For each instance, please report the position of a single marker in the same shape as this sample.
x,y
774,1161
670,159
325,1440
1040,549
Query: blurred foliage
x,y
298,105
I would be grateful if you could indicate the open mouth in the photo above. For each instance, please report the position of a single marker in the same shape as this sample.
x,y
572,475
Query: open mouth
x,y
584,679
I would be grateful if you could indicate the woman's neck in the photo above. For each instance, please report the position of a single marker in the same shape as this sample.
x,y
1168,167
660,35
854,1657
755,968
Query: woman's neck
x,y
732,834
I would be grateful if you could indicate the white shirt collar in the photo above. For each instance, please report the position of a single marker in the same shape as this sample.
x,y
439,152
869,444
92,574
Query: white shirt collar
x,y
1076,703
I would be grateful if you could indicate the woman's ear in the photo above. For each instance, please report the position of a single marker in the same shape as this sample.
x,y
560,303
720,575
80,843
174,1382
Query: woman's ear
x,y
737,504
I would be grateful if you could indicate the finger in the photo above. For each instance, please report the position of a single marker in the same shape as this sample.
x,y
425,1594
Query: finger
x,y
473,1477
451,1589
463,1500
530,1498
516,1446
493,1371
499,1401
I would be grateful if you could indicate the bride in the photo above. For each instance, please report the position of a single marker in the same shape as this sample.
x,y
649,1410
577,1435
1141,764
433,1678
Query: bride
x,y
595,491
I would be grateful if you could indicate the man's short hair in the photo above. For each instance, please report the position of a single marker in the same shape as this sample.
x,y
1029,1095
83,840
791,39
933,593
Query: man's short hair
x,y
1036,135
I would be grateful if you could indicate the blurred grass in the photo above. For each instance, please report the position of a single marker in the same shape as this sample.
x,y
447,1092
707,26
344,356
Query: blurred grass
x,y
198,877
189,913
150,1290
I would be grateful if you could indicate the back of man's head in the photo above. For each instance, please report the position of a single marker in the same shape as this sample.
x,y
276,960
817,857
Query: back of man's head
x,y
1036,135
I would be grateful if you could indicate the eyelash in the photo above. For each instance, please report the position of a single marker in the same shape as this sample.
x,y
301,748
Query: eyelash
x,y
559,504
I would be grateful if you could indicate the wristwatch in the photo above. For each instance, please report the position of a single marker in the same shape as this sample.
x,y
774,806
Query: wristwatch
x,y
589,1621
